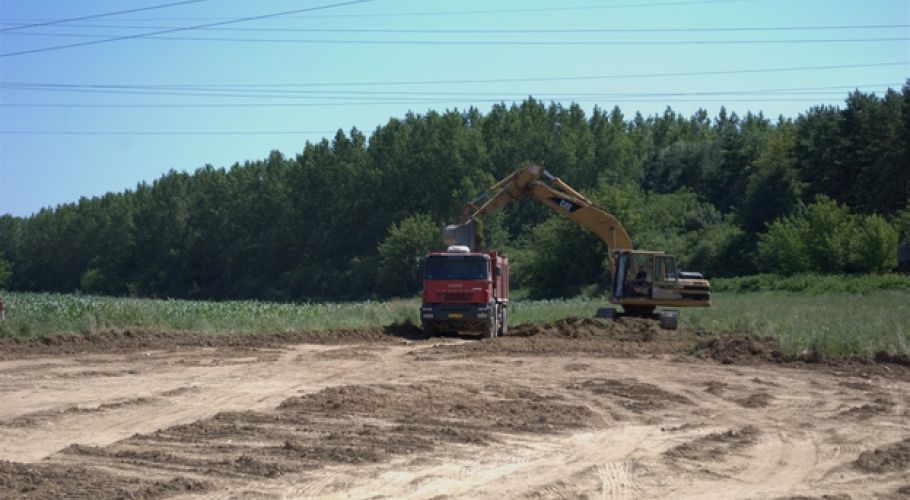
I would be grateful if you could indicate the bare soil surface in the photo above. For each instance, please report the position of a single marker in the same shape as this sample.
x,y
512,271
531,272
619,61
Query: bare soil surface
x,y
579,408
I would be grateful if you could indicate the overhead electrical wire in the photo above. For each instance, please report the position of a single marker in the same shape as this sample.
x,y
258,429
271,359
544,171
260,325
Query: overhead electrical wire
x,y
167,133
185,28
791,94
96,16
775,41
345,94
495,30
828,97
473,12
164,132
233,86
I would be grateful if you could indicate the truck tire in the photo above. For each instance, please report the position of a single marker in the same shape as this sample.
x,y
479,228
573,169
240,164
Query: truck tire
x,y
428,329
489,328
504,322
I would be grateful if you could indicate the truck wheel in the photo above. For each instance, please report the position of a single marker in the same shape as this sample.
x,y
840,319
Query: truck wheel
x,y
504,323
428,329
489,329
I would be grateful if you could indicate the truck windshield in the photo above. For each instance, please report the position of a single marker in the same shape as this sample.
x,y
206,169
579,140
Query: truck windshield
x,y
456,267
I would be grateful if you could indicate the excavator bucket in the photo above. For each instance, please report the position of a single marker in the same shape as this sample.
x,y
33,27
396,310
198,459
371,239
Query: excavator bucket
x,y
466,234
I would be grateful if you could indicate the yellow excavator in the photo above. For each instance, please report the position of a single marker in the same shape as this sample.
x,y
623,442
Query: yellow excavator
x,y
642,280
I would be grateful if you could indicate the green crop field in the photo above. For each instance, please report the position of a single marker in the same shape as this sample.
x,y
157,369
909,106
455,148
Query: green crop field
x,y
39,314
831,323
840,323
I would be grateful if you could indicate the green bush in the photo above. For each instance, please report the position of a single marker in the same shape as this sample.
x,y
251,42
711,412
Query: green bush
x,y
783,249
875,248
562,259
5,271
827,238
404,243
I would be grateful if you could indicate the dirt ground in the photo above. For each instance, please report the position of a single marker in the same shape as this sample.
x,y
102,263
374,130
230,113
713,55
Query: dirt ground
x,y
575,409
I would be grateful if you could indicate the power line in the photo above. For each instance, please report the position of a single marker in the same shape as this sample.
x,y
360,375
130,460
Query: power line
x,y
185,28
778,94
167,132
106,14
233,86
496,31
583,99
476,12
380,95
775,41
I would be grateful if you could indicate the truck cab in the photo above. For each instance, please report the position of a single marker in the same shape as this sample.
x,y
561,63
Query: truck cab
x,y
465,292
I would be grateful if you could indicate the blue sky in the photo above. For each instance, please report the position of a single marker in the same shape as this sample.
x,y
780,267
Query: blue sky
x,y
86,120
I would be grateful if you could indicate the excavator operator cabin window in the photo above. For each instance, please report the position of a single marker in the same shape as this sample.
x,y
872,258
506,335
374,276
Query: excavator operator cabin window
x,y
641,268
666,269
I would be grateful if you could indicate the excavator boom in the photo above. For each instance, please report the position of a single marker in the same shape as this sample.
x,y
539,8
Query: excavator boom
x,y
532,182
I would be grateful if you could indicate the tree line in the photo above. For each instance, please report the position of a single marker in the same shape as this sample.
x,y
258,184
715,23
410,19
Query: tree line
x,y
730,195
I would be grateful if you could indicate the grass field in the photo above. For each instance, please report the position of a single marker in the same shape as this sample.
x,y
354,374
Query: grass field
x,y
833,323
38,314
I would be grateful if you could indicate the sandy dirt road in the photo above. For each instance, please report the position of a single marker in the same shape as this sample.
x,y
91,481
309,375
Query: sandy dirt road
x,y
578,409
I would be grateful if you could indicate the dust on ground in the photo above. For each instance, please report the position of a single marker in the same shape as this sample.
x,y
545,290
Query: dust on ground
x,y
578,408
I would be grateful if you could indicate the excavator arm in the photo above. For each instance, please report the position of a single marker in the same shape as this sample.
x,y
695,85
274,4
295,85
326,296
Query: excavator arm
x,y
537,183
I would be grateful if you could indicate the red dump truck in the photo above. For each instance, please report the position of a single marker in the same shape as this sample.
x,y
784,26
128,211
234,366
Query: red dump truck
x,y
465,292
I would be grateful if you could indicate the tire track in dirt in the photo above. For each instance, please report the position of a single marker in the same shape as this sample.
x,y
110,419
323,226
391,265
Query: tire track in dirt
x,y
574,409
215,388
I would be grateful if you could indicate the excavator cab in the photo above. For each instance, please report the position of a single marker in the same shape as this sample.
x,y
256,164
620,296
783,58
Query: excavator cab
x,y
646,279
644,274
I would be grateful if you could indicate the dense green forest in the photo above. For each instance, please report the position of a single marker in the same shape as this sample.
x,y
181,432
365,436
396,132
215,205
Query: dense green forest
x,y
730,195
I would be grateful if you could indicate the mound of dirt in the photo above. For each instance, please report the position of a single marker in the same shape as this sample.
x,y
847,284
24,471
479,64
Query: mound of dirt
x,y
892,458
756,400
632,394
716,387
877,407
492,407
897,359
134,340
352,352
822,497
625,337
36,418
60,481
715,446
344,425
629,329
729,349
